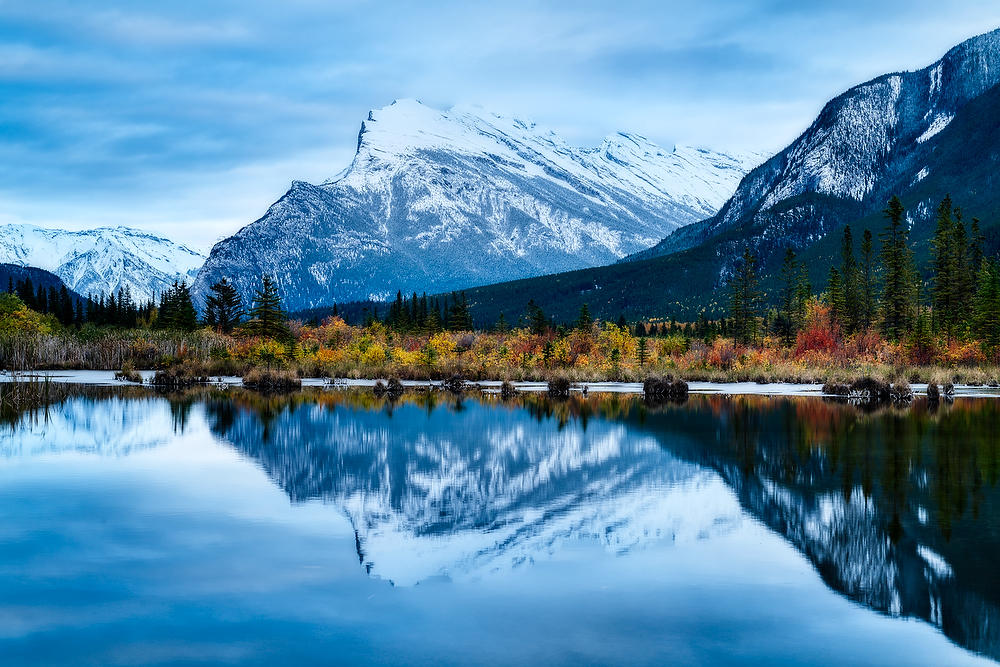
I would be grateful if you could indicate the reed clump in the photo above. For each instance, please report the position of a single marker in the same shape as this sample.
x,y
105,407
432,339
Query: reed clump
x,y
180,376
657,386
127,373
271,379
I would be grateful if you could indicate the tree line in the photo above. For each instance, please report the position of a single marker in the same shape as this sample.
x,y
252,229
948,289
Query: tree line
x,y
882,288
175,309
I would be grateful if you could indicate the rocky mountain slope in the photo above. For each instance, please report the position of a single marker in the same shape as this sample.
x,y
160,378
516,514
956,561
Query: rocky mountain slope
x,y
441,200
878,139
102,260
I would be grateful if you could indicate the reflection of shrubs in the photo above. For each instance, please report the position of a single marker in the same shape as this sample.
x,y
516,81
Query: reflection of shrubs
x,y
559,387
507,390
454,384
869,391
267,379
392,389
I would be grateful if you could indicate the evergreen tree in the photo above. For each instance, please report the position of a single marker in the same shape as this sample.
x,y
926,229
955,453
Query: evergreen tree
x,y
223,307
267,318
851,317
176,310
788,319
66,314
502,326
987,305
745,298
899,284
942,266
26,292
584,320
954,265
536,318
643,352
867,288
459,318
835,297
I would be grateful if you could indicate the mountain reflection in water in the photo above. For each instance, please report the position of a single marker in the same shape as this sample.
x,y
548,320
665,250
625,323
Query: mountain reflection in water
x,y
896,509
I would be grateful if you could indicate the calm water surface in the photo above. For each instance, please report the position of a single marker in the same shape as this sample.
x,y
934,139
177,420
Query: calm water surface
x,y
330,527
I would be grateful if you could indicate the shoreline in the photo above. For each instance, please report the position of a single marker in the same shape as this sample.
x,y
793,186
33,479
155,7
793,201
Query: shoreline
x,y
106,378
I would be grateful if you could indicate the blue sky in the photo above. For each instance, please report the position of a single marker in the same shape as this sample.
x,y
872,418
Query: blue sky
x,y
190,117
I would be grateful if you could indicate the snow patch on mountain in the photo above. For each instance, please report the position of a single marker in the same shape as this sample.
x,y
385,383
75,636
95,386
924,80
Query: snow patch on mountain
x,y
939,123
102,260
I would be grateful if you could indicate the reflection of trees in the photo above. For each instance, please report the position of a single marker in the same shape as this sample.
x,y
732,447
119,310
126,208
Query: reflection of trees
x,y
896,508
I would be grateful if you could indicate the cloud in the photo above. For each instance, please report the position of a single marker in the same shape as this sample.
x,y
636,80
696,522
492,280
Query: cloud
x,y
204,112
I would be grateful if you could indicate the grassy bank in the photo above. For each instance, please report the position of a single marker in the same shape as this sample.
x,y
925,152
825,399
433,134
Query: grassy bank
x,y
601,352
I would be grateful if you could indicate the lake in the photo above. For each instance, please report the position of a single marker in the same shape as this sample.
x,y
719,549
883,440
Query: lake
x,y
329,526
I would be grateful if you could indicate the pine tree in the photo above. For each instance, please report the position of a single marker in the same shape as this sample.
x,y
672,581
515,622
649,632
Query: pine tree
x,y
899,276
536,318
851,318
835,297
643,352
267,319
745,298
176,310
787,321
185,316
584,320
223,307
987,305
867,288
502,326
66,313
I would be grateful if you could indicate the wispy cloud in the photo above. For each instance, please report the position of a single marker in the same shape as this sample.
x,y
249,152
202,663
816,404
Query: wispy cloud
x,y
203,112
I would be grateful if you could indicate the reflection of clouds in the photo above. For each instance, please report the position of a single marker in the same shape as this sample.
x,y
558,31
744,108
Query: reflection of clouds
x,y
111,427
467,493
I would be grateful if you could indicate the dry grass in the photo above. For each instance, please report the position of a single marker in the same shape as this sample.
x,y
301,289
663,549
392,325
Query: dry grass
x,y
268,379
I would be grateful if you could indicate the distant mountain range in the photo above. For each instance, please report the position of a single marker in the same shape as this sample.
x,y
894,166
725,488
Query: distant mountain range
x,y
437,200
919,135
102,260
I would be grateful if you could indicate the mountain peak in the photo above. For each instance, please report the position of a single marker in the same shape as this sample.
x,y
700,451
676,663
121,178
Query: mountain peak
x,y
431,194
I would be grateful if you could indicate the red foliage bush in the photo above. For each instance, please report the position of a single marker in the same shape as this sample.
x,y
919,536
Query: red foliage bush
x,y
820,333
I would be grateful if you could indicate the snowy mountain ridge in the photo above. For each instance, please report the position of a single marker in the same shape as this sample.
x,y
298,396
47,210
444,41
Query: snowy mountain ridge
x,y
101,260
875,140
437,200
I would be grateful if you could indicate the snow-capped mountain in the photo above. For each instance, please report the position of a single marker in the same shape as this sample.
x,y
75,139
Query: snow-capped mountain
x,y
893,135
102,260
437,200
